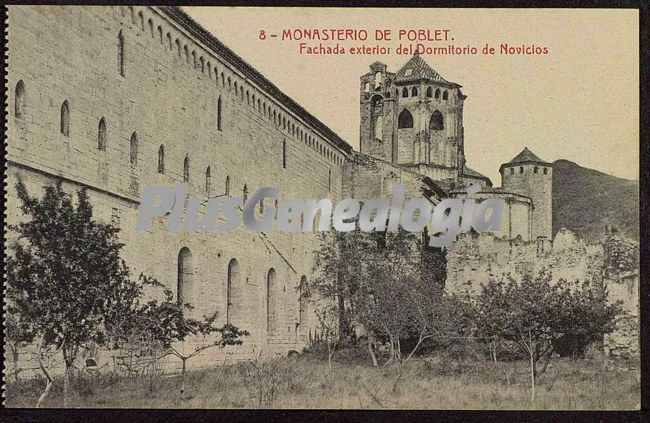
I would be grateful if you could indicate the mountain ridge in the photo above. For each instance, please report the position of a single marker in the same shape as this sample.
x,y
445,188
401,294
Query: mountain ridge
x,y
589,202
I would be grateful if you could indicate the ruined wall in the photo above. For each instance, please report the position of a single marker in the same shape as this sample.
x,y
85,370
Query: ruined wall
x,y
624,340
475,259
168,96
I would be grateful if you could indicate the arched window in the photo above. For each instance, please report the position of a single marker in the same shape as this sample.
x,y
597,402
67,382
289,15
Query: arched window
x,y
429,92
232,286
20,100
186,169
202,64
178,47
151,27
161,159
194,62
405,119
219,114
187,54
284,154
437,92
169,41
65,118
271,299
141,16
377,79
436,123
245,192
133,156
535,169
101,135
414,92
405,92
120,53
160,34
545,171
302,304
227,192
185,273
445,95
521,169
208,180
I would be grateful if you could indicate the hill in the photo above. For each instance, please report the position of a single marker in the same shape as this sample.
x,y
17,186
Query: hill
x,y
586,201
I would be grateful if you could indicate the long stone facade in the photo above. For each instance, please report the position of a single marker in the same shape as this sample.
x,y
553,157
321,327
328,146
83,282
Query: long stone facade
x,y
117,98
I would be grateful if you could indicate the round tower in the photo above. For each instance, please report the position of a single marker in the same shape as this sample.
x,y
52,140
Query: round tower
x,y
528,175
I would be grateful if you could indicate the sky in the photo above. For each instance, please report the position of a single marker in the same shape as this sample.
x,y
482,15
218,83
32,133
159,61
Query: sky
x,y
579,102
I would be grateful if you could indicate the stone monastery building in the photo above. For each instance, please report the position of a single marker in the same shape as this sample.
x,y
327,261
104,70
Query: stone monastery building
x,y
117,98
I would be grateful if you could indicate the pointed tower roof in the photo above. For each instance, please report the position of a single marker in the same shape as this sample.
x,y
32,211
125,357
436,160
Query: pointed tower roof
x,y
416,68
526,156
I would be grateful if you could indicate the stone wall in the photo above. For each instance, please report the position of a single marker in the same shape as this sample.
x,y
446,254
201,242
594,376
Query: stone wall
x,y
624,340
475,259
168,96
534,181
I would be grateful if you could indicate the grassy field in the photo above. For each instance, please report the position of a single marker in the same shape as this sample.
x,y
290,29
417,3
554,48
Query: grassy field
x,y
307,382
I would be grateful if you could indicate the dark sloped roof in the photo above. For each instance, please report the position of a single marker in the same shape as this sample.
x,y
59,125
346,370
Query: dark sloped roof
x,y
474,174
527,156
420,70
183,19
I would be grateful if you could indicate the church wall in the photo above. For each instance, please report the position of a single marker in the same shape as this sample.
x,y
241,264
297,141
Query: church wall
x,y
406,145
367,178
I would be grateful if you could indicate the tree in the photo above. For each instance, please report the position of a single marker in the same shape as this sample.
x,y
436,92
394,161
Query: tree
x,y
162,325
18,335
68,286
538,312
64,273
491,316
390,286
327,314
338,268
